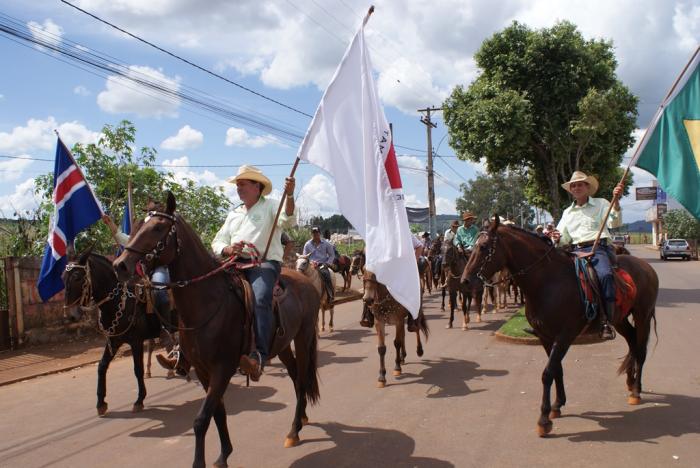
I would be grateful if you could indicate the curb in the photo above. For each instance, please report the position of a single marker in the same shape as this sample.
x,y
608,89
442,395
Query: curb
x,y
580,340
350,298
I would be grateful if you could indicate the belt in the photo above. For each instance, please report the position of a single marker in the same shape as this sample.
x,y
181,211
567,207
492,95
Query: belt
x,y
583,245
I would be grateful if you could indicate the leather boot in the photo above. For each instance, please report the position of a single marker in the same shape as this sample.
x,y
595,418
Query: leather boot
x,y
166,363
367,317
250,366
606,330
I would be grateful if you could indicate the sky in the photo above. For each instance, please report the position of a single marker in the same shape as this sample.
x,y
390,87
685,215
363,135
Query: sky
x,y
287,51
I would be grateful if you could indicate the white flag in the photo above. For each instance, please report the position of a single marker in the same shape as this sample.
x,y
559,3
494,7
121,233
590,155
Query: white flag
x,y
349,137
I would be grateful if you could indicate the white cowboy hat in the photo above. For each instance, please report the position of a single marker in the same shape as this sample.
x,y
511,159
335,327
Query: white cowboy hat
x,y
579,176
252,173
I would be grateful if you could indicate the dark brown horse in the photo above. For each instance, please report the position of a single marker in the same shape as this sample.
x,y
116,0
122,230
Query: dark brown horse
x,y
357,264
91,285
553,306
213,311
454,263
425,273
387,311
343,269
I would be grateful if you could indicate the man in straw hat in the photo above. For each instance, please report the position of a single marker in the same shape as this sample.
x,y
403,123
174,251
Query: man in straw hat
x,y
252,222
579,227
466,235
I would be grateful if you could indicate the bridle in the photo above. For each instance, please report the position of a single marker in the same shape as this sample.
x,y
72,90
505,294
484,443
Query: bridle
x,y
493,238
161,245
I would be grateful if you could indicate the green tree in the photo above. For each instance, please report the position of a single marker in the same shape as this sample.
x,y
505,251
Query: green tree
x,y
681,225
108,165
501,192
547,102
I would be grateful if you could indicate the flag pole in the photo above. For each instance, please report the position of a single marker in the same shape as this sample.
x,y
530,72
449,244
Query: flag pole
x,y
294,168
130,204
634,156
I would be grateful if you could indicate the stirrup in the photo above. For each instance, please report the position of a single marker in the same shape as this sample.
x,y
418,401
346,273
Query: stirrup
x,y
607,332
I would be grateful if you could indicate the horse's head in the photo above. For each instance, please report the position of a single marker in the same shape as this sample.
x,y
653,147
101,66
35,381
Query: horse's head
x,y
486,258
78,289
155,243
357,262
371,288
303,262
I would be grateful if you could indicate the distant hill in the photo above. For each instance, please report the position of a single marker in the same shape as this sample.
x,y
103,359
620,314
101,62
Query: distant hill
x,y
637,226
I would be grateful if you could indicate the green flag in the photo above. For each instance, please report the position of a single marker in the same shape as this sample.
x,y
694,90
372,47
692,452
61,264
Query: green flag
x,y
670,149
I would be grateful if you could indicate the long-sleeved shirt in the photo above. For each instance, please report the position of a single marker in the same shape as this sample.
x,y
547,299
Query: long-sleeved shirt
x,y
322,252
581,223
254,225
466,236
449,236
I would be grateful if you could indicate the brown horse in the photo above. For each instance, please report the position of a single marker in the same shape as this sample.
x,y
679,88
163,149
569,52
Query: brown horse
x,y
212,308
454,263
554,308
387,311
425,272
342,267
304,266
357,264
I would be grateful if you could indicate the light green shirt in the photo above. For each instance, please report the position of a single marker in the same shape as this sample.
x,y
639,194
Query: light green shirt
x,y
466,237
581,223
254,226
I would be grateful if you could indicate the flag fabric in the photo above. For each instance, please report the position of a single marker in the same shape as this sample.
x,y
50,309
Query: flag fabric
x,y
670,149
126,220
75,208
349,137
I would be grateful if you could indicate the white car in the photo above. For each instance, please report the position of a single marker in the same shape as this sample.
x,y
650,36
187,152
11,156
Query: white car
x,y
675,248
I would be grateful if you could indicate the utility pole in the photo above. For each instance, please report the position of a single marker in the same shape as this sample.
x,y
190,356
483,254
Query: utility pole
x,y
432,224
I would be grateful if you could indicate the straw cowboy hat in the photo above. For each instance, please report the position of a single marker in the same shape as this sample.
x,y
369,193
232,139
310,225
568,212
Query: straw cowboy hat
x,y
468,215
252,173
579,176
454,223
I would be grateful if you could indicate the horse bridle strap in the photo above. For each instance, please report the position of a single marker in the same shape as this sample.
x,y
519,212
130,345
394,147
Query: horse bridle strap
x,y
522,271
161,244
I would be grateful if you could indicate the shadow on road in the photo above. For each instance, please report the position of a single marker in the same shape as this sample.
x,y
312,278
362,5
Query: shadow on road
x,y
669,297
366,446
345,337
328,357
662,415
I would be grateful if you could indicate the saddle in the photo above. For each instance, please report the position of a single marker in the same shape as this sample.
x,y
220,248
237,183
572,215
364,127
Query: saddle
x,y
590,288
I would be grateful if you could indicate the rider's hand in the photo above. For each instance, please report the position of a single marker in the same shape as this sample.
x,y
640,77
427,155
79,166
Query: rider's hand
x,y
232,250
555,235
289,184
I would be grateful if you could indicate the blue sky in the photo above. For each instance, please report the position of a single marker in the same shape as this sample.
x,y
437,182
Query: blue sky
x,y
288,50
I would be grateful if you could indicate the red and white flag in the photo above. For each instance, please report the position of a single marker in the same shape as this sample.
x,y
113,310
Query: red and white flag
x,y
349,137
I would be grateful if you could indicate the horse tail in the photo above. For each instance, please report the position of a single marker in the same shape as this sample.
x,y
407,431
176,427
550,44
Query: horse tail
x,y
309,378
423,326
627,364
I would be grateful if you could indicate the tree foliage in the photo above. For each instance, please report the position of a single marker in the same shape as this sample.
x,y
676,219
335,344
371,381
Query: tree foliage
x,y
501,192
547,103
334,223
108,166
681,225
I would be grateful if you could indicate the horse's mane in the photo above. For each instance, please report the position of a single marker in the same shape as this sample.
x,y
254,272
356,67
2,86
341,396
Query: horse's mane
x,y
542,238
205,254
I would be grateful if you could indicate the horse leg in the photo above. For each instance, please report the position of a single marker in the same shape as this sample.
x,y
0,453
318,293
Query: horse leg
x,y
466,305
453,306
102,367
381,349
300,418
330,322
477,305
419,345
323,317
552,371
224,437
444,293
625,328
137,356
215,390
150,344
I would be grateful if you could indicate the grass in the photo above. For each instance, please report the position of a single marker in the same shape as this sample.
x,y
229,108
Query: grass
x,y
514,326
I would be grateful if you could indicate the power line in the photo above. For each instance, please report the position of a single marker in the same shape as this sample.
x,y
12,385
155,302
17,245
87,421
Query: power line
x,y
199,67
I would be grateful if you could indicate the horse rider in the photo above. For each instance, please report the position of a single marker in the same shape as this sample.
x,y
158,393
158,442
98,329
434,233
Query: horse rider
x,y
336,259
539,230
322,254
426,243
548,230
251,222
579,227
466,234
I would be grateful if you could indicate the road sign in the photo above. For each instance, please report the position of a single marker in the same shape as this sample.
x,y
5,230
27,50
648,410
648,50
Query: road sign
x,y
660,195
645,193
661,209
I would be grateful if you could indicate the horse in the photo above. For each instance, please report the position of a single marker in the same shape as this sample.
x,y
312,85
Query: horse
x,y
454,263
357,265
425,272
553,306
303,265
497,292
387,311
342,267
91,283
211,303
435,258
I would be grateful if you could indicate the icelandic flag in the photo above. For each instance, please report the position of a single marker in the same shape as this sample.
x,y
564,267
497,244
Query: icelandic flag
x,y
126,221
75,208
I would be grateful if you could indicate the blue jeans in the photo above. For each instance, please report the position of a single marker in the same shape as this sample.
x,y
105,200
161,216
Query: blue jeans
x,y
262,279
161,275
603,268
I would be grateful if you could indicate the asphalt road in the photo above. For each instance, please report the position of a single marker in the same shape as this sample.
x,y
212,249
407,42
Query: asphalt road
x,y
471,401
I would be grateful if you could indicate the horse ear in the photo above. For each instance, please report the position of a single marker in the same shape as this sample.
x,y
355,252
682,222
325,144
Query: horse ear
x,y
299,255
170,204
85,254
496,222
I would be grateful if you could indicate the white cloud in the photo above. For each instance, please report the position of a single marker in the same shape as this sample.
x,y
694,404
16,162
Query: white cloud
x,y
318,196
81,90
410,162
123,96
182,173
23,199
38,135
12,169
186,138
240,137
686,23
445,206
48,31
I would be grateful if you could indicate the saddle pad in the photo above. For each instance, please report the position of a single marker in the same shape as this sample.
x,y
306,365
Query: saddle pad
x,y
625,291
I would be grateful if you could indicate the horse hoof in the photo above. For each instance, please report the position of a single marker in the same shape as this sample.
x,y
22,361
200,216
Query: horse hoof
x,y
147,375
330,329
170,374
419,352
291,442
304,421
102,409
478,318
465,327
448,326
381,384
396,373
544,430
634,400
137,408
323,328
554,414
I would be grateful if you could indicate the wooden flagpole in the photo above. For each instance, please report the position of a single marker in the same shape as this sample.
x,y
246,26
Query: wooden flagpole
x,y
641,142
